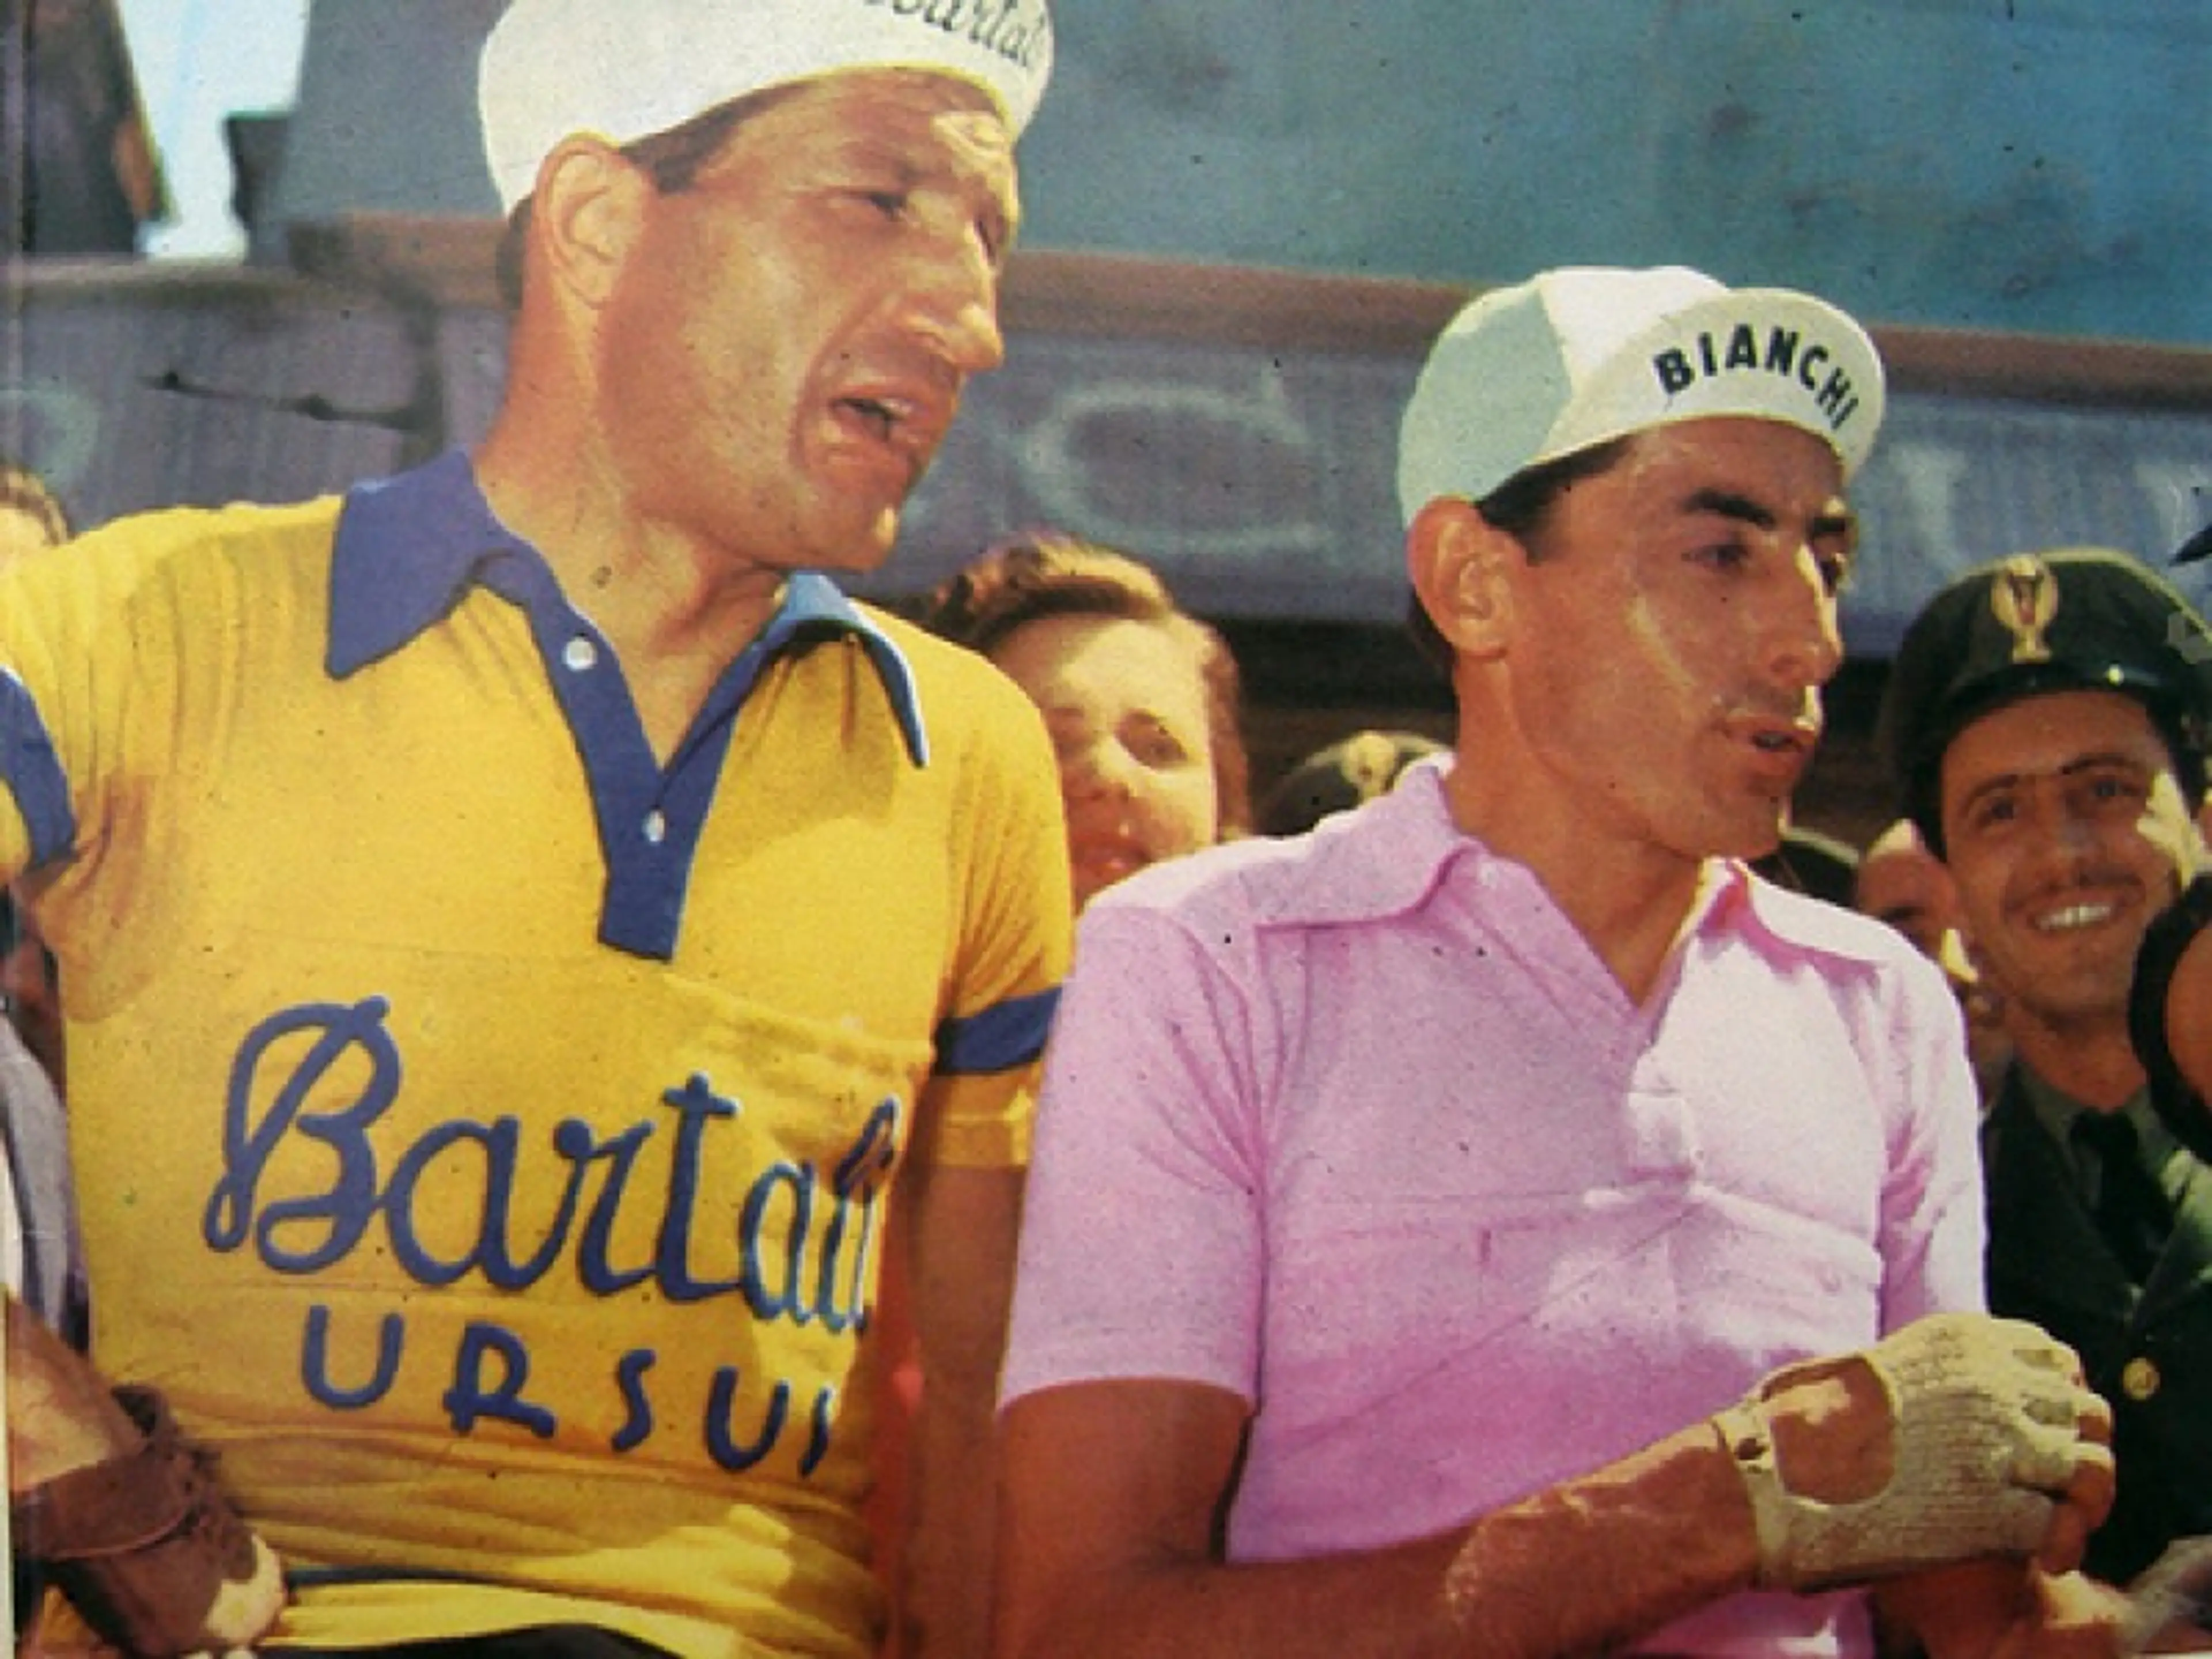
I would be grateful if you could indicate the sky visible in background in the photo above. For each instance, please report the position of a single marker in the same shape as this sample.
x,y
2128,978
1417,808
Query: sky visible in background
x,y
197,62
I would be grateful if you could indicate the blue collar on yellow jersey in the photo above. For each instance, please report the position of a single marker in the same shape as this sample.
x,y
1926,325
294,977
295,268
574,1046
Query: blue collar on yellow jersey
x,y
409,550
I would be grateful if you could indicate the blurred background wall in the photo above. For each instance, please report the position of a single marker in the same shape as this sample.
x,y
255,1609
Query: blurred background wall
x,y
1246,218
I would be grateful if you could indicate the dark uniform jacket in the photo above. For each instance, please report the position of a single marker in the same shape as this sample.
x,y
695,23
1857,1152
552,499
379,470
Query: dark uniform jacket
x,y
2148,1352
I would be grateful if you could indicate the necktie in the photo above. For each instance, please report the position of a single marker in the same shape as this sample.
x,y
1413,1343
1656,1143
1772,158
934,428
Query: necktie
x,y
2131,1209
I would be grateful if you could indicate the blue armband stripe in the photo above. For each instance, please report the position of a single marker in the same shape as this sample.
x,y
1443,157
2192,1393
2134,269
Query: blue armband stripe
x,y
1004,1035
33,772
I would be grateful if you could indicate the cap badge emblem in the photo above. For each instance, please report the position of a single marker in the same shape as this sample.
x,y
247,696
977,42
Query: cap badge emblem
x,y
2025,597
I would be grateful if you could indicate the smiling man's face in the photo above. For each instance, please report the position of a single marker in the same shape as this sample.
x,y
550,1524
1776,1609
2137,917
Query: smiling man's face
x,y
2066,831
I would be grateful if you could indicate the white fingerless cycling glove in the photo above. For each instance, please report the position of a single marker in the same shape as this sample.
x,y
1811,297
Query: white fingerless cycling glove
x,y
1984,1431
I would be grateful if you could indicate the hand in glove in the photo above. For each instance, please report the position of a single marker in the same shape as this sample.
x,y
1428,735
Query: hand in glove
x,y
122,1511
1958,1437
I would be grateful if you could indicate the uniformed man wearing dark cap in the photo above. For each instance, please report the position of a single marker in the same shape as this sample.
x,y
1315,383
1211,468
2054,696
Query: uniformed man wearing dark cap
x,y
2046,718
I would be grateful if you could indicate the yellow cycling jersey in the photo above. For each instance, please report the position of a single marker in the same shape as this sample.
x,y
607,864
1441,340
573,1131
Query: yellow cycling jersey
x,y
485,1130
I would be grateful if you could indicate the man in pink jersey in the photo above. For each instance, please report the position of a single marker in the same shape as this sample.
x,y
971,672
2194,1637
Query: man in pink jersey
x,y
1439,1221
537,953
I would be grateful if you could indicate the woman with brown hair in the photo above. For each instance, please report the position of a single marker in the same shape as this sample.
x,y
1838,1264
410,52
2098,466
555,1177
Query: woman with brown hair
x,y
1141,698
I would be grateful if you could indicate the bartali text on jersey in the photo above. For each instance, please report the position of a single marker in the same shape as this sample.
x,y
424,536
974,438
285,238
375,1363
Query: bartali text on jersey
x,y
1678,368
805,1237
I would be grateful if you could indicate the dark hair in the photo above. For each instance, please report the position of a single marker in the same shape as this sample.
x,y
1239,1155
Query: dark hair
x,y
1046,574
1341,775
673,159
1522,506
27,493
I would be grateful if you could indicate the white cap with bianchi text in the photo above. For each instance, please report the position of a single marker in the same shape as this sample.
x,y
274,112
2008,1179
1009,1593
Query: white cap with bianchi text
x,y
1582,356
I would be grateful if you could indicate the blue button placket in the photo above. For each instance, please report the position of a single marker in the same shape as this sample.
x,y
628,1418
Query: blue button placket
x,y
650,817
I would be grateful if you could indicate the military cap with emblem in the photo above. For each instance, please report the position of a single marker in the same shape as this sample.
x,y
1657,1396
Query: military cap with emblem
x,y
2068,619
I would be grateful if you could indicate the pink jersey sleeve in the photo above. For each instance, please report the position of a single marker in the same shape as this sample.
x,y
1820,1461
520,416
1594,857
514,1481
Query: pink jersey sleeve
x,y
1142,1242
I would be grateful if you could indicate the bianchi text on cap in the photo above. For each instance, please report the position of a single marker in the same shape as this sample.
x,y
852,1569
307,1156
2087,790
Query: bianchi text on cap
x,y
1739,351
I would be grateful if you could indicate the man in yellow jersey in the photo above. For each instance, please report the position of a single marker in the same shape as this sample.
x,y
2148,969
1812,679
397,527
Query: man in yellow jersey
x,y
530,940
